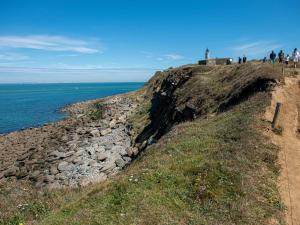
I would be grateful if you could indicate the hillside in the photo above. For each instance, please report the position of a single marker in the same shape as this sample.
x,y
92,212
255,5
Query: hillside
x,y
203,157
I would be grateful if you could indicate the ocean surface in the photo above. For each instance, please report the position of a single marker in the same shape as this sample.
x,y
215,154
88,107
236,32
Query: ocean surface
x,y
31,105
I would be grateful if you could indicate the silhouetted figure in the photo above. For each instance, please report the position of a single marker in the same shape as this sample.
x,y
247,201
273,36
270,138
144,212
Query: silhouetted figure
x,y
264,59
240,60
273,57
296,57
281,56
229,61
207,54
244,59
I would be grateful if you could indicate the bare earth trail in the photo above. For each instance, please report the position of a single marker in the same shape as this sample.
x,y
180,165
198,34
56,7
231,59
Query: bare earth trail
x,y
289,156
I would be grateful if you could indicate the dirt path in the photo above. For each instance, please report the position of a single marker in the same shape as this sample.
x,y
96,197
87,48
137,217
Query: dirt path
x,y
289,156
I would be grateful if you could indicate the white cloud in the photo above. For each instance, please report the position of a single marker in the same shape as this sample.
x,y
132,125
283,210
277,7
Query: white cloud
x,y
255,48
47,42
147,54
64,68
12,57
166,57
76,67
173,56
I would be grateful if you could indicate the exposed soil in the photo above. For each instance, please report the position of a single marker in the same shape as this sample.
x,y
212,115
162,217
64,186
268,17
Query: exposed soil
x,y
289,157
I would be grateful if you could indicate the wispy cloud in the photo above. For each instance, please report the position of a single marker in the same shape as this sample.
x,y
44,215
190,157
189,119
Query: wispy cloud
x,y
147,54
174,56
49,43
69,69
255,48
165,57
12,57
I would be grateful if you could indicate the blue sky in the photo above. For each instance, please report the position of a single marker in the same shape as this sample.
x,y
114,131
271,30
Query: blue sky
x,y
103,41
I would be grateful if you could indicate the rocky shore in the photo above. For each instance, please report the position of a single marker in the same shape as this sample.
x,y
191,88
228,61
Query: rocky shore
x,y
92,144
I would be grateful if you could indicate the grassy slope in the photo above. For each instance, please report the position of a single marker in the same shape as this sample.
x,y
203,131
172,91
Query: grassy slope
x,y
220,170
217,170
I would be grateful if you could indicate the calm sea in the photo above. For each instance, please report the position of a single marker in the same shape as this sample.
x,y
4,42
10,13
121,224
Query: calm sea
x,y
30,105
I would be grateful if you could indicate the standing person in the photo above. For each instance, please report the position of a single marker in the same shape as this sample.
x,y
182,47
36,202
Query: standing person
x,y
244,59
264,59
296,57
273,57
240,60
286,60
281,56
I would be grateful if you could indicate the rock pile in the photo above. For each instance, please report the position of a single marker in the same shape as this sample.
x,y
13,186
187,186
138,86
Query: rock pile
x,y
73,152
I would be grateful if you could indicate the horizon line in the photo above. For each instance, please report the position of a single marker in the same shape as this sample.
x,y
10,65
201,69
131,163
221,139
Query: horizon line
x,y
83,82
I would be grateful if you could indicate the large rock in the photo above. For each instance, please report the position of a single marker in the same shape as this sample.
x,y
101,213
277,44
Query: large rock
x,y
100,148
11,171
57,154
132,151
120,163
61,176
119,149
101,156
112,124
63,166
105,131
54,170
49,178
95,133
60,155
34,176
92,179
22,173
80,152
127,159
122,119
109,165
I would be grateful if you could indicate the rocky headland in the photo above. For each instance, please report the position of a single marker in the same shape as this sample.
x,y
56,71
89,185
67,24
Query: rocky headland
x,y
94,142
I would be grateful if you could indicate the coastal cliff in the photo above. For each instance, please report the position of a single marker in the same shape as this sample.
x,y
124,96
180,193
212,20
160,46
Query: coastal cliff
x,y
191,142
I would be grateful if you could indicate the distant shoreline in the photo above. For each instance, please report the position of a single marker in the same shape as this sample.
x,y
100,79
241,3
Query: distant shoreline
x,y
25,83
63,110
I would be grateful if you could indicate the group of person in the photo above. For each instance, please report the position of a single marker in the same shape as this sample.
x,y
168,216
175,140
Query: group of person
x,y
242,60
282,58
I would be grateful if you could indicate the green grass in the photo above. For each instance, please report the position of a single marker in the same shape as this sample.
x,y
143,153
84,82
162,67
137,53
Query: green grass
x,y
221,170
278,130
96,112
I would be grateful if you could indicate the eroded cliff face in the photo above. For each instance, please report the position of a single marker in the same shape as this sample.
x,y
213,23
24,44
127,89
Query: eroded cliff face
x,y
193,91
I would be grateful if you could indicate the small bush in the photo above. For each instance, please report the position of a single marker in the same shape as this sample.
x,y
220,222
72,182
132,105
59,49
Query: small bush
x,y
97,112
278,130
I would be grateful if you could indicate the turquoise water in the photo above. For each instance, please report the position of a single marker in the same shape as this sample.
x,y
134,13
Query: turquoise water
x,y
30,105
